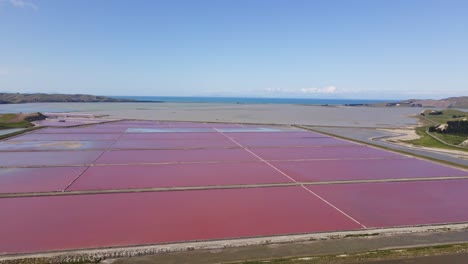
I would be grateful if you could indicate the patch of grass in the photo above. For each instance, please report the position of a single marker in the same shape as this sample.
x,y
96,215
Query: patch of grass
x,y
393,254
5,118
8,121
447,115
22,124
426,141
453,139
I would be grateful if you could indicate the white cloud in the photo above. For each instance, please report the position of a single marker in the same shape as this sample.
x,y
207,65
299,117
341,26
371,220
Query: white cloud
x,y
20,3
322,90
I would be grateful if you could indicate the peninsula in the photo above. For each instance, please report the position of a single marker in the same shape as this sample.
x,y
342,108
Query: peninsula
x,y
18,98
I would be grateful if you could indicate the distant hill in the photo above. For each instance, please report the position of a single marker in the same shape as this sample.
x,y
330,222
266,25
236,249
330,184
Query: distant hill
x,y
451,102
18,98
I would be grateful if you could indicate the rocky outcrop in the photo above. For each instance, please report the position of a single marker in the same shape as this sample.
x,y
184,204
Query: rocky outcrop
x,y
441,128
464,144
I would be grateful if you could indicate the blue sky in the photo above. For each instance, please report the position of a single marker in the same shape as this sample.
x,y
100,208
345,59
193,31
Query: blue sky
x,y
274,48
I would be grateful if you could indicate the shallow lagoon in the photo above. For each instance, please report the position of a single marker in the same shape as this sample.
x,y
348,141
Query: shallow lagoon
x,y
244,113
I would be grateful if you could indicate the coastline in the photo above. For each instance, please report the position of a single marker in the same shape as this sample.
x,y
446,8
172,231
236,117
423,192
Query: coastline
x,y
286,114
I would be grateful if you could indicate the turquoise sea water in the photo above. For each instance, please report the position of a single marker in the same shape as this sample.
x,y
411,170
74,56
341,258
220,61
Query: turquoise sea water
x,y
252,100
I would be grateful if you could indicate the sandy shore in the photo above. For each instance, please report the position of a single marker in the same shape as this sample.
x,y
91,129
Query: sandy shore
x,y
402,134
243,113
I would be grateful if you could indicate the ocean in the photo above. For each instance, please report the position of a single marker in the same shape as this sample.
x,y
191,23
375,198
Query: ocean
x,y
252,100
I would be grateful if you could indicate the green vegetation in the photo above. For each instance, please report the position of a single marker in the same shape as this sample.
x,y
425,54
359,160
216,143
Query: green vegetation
x,y
394,254
436,118
427,141
8,121
453,139
447,115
